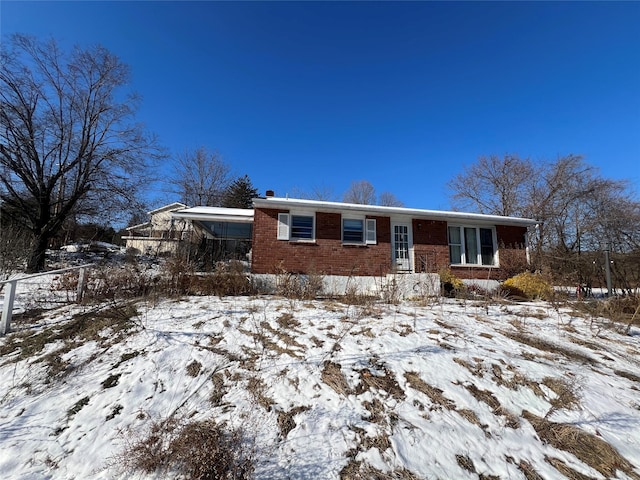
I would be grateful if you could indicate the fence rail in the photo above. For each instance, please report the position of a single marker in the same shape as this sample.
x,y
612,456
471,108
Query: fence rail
x,y
12,284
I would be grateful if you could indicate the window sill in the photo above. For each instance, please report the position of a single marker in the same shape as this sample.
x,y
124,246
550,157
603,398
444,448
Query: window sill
x,y
303,242
472,265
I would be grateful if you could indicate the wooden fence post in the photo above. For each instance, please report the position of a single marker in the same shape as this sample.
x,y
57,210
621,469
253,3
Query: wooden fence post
x,y
7,307
82,280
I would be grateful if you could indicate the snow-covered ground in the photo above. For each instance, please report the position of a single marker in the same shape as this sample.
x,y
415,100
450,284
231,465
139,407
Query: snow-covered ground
x,y
447,390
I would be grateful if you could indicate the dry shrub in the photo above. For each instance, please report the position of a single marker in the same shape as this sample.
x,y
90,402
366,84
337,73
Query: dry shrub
x,y
528,286
201,450
354,296
116,283
299,286
450,284
588,448
513,259
620,310
228,278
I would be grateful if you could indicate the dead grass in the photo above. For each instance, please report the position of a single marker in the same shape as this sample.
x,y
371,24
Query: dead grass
x,y
435,394
257,388
628,375
286,421
193,368
201,450
81,328
566,392
111,381
219,389
489,398
476,370
377,412
527,469
466,463
384,381
286,320
566,470
545,346
333,377
471,417
355,470
588,448
269,344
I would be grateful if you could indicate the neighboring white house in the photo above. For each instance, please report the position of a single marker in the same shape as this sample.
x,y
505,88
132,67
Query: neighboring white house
x,y
224,233
161,234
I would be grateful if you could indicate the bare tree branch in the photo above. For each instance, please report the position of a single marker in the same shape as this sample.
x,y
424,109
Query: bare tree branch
x,y
68,144
201,178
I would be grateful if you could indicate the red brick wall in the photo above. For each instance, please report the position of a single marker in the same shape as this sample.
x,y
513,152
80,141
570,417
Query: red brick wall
x,y
511,237
431,248
326,255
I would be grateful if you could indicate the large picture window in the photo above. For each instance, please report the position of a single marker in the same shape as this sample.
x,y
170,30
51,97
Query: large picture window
x,y
472,246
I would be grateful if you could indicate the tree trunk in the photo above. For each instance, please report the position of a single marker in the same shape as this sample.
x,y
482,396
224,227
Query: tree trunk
x,y
37,254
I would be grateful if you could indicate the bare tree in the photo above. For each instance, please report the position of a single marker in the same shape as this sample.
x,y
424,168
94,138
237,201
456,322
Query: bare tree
x,y
317,192
578,210
361,192
201,177
68,141
388,199
494,185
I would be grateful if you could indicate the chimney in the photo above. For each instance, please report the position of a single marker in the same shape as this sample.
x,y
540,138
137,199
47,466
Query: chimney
x,y
270,193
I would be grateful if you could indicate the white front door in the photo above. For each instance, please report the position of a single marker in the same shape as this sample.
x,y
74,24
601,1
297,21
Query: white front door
x,y
401,246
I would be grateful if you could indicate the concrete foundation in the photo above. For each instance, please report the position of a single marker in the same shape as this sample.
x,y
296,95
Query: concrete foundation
x,y
392,286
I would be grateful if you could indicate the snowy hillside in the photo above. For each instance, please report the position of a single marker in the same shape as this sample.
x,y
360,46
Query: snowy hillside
x,y
324,390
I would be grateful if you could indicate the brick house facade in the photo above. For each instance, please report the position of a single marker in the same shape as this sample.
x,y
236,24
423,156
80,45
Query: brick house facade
x,y
332,238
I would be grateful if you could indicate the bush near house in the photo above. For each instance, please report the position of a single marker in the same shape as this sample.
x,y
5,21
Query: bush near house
x,y
528,285
451,285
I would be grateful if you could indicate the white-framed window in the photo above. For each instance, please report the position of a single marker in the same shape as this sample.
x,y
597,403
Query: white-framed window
x,y
292,226
359,231
469,245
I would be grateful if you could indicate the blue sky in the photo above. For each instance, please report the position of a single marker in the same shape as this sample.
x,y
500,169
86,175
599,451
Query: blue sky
x,y
301,94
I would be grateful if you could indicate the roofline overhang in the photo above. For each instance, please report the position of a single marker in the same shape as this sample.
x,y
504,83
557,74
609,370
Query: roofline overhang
x,y
170,206
276,202
214,217
139,226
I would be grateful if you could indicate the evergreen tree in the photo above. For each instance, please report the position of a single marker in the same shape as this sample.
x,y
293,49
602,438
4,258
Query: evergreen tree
x,y
240,193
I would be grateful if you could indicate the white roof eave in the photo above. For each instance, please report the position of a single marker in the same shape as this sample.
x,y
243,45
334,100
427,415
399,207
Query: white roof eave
x,y
215,214
271,202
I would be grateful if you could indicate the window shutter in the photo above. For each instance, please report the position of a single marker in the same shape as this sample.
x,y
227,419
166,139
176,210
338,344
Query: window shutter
x,y
371,231
283,226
